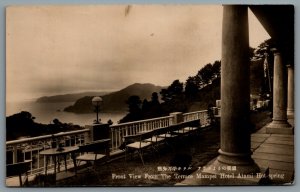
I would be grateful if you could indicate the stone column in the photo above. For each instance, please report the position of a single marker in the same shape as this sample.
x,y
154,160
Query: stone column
x,y
290,103
235,92
279,124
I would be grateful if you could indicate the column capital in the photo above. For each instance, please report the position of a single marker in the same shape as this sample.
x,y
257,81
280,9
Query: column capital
x,y
290,66
275,51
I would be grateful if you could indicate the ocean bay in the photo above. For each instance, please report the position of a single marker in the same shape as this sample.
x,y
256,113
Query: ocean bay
x,y
45,113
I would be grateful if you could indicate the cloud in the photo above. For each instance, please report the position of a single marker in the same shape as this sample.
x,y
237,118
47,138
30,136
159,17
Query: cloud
x,y
60,49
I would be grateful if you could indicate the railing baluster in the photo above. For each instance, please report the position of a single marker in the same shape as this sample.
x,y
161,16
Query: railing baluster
x,y
116,134
31,157
111,136
114,139
15,154
140,127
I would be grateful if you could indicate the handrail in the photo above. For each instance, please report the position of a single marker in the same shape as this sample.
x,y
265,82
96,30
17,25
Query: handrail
x,y
46,136
201,115
140,121
33,145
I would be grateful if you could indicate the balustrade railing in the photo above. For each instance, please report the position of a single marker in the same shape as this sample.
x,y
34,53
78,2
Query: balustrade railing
x,y
201,115
29,148
131,128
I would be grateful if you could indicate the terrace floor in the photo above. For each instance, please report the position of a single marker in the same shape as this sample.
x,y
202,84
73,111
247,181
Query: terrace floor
x,y
270,151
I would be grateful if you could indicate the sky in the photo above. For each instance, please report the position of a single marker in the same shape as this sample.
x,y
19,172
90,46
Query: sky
x,y
67,49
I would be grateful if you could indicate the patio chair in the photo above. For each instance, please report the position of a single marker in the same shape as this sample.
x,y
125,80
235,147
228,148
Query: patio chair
x,y
192,127
187,128
158,137
19,169
93,152
139,142
168,135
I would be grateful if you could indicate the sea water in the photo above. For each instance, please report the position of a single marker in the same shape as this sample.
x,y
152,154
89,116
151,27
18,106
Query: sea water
x,y
46,112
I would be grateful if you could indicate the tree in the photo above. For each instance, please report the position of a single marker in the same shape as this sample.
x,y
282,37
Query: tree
x,y
165,96
174,90
191,88
154,109
154,99
216,69
263,52
57,125
263,48
251,52
134,103
145,105
56,122
20,124
134,107
206,73
198,80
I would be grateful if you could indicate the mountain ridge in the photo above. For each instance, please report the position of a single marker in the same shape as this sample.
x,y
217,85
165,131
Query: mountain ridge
x,y
115,101
69,97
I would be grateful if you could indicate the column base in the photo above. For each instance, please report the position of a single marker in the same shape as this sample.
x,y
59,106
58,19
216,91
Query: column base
x,y
280,127
249,174
290,114
242,161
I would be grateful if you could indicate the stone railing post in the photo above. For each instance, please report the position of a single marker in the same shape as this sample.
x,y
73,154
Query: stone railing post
x,y
218,103
99,131
88,135
177,117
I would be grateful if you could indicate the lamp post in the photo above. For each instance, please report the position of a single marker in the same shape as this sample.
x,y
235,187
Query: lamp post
x,y
96,102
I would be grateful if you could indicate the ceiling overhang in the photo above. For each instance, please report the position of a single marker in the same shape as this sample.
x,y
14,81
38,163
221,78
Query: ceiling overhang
x,y
278,21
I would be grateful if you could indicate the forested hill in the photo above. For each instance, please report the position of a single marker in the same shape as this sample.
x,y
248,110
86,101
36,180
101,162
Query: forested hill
x,y
115,101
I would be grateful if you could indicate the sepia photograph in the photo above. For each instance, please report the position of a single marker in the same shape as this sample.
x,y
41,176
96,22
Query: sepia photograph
x,y
149,95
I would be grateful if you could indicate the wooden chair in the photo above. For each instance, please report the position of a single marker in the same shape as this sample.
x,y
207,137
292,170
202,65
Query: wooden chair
x,y
168,132
168,135
93,152
186,128
139,142
192,127
158,137
19,169
177,130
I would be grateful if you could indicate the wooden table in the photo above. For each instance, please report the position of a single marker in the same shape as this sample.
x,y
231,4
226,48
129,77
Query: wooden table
x,y
55,154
